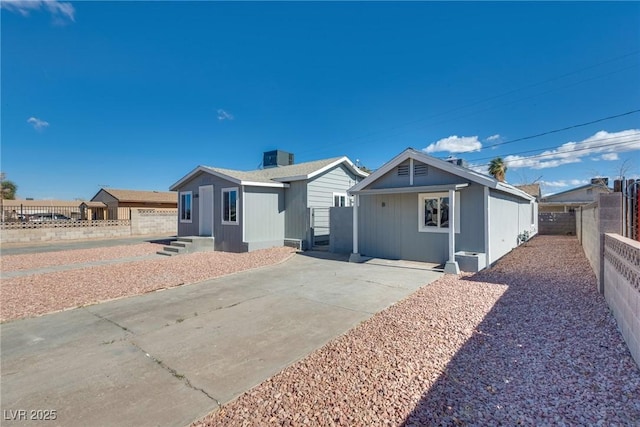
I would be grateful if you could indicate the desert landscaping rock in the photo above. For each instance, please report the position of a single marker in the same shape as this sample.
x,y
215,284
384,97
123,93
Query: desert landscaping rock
x,y
527,342
39,294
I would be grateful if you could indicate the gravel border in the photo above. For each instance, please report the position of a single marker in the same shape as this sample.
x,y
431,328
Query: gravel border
x,y
39,294
527,342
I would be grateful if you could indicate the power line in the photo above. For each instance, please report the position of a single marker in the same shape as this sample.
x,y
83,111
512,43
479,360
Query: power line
x,y
539,156
558,130
555,147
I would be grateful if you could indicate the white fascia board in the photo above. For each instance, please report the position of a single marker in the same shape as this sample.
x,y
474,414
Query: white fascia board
x,y
265,184
419,189
506,188
323,169
205,169
381,171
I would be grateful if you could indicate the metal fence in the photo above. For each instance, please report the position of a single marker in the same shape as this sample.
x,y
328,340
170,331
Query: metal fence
x,y
23,213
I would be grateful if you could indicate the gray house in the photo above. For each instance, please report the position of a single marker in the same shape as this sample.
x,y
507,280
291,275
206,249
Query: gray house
x,y
417,207
284,203
569,200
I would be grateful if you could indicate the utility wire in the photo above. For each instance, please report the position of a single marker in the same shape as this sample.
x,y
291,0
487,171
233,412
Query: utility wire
x,y
555,147
543,155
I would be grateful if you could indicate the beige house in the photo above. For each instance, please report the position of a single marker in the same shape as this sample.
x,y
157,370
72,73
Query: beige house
x,y
569,200
111,203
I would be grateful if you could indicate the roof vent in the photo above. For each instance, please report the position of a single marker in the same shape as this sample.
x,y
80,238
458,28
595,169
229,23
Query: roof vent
x,y
456,161
600,181
276,158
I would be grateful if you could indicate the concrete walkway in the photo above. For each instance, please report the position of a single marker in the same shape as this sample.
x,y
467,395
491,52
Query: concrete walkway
x,y
170,357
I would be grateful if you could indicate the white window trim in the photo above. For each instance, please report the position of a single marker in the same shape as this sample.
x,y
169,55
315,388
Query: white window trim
x,y
190,220
346,199
424,229
222,191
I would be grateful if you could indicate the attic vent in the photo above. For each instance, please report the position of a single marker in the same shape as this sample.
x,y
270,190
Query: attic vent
x,y
403,170
420,169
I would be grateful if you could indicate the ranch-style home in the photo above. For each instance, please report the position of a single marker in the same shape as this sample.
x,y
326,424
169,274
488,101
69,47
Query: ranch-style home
x,y
283,203
417,207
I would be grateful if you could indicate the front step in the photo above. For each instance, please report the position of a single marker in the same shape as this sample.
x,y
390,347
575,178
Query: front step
x,y
185,245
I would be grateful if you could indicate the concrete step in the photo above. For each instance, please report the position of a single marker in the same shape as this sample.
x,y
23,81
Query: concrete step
x,y
185,239
180,244
172,249
166,253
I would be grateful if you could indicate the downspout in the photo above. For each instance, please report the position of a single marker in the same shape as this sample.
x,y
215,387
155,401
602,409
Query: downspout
x,y
355,256
487,228
242,213
451,267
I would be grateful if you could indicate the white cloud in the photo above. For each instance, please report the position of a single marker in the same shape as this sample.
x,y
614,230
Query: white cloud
x,y
455,144
37,123
495,137
223,115
608,145
564,183
61,11
610,156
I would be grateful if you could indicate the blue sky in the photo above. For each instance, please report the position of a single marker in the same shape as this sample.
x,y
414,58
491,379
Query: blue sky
x,y
136,94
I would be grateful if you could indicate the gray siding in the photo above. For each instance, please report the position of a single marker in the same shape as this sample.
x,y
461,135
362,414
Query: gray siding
x,y
264,216
509,216
391,231
227,237
296,214
434,176
320,195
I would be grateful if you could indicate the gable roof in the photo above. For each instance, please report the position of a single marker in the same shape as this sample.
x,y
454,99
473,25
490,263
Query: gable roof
x,y
133,196
551,197
460,171
531,189
276,176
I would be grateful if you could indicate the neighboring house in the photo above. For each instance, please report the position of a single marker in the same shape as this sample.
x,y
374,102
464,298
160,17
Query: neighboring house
x,y
249,210
115,200
569,200
417,207
531,189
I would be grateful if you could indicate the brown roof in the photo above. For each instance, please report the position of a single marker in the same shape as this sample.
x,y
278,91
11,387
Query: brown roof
x,y
530,189
143,196
41,203
93,204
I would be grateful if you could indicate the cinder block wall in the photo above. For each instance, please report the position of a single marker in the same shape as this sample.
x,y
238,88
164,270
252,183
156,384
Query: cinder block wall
x,y
29,235
341,230
154,221
558,223
622,287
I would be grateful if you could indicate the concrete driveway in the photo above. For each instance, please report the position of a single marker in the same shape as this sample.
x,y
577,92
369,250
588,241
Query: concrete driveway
x,y
169,357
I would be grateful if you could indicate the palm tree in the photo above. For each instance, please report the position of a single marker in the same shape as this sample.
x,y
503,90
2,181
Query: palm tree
x,y
498,169
8,190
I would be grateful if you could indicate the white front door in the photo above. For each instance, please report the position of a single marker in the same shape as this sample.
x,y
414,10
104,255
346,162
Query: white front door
x,y
205,210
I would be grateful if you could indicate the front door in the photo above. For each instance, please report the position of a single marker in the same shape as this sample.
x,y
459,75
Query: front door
x,y
205,210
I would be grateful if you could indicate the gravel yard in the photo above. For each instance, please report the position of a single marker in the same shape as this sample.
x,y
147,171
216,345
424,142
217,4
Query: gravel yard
x,y
77,256
528,342
39,294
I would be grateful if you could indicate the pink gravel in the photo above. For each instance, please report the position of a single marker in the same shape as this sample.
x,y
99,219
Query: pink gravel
x,y
76,256
528,342
39,294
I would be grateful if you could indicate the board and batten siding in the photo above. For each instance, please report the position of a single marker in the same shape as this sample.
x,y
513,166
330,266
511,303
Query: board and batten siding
x,y
509,216
264,217
388,227
226,237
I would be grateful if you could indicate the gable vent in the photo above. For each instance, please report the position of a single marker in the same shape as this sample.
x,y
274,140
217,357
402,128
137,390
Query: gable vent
x,y
403,170
420,170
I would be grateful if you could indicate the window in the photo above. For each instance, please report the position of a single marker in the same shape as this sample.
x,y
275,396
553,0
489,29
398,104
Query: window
x,y
229,205
185,206
339,200
434,212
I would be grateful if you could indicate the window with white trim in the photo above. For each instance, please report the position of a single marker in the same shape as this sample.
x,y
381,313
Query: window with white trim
x,y
340,200
434,213
186,198
230,205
